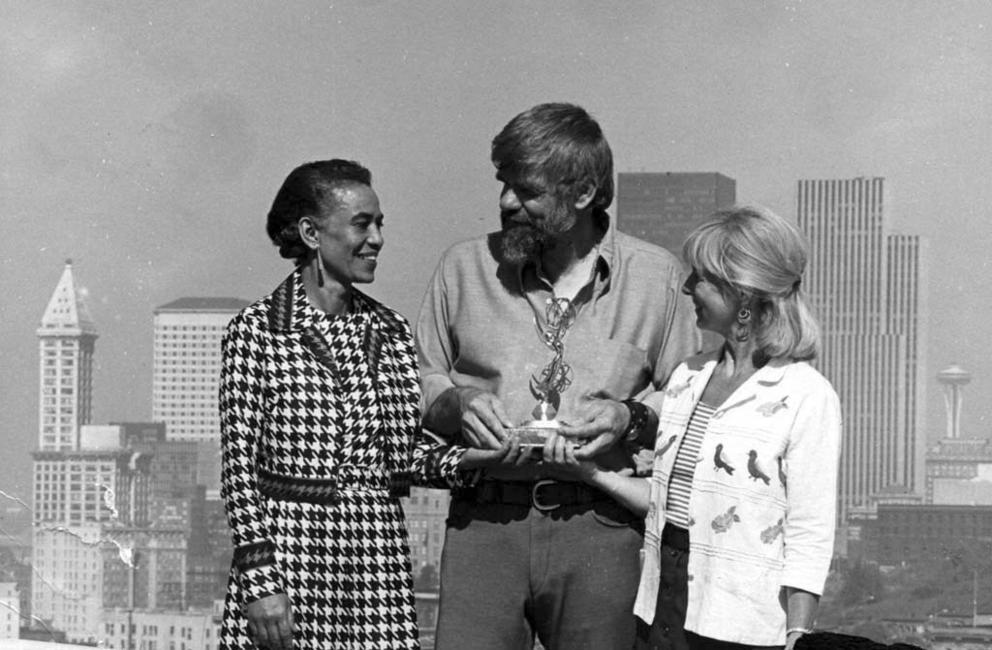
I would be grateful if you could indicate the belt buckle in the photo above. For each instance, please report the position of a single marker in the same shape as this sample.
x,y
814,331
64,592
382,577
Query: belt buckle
x,y
543,507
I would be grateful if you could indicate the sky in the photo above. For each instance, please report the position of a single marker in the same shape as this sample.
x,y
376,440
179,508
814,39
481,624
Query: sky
x,y
146,140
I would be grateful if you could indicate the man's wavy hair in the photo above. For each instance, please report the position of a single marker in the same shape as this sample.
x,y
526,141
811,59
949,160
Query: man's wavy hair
x,y
558,147
752,252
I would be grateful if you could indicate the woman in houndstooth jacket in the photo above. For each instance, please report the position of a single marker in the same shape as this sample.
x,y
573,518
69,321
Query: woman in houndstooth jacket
x,y
319,414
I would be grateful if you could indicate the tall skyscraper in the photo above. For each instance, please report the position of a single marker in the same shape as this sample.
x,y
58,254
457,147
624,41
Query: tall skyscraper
x,y
664,207
83,480
66,338
868,286
186,365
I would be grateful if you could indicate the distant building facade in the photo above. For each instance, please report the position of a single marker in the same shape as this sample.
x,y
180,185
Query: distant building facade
x,y
922,533
959,472
155,576
133,433
67,589
210,556
426,512
77,495
664,207
190,630
10,608
186,365
90,486
868,287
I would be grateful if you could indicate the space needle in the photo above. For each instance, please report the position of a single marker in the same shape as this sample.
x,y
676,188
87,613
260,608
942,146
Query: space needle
x,y
953,378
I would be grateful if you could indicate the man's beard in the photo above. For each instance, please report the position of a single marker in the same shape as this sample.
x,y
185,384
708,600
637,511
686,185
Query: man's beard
x,y
523,241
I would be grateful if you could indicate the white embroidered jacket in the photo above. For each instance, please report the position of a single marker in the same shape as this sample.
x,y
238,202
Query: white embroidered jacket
x,y
763,502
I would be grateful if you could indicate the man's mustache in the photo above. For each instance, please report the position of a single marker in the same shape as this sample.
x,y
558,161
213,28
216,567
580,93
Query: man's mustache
x,y
515,218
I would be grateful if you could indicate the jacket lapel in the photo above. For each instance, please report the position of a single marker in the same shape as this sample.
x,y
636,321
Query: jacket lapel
x,y
287,316
392,361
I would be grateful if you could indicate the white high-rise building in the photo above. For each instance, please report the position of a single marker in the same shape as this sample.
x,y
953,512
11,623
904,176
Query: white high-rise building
x,y
868,287
66,339
186,365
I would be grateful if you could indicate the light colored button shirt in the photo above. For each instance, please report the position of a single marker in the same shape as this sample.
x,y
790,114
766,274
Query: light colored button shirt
x,y
763,503
477,326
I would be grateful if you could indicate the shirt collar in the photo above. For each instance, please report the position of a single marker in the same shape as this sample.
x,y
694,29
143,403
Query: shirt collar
x,y
605,262
767,376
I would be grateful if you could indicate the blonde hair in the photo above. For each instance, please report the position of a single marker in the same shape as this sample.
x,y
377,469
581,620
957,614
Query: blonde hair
x,y
760,255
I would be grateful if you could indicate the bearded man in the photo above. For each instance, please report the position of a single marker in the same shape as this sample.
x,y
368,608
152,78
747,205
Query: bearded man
x,y
536,321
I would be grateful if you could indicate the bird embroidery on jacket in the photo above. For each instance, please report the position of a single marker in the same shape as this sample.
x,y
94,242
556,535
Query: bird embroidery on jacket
x,y
666,446
769,409
754,469
722,523
721,462
769,534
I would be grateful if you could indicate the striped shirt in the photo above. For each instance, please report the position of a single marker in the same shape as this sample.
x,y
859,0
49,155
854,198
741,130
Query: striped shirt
x,y
680,483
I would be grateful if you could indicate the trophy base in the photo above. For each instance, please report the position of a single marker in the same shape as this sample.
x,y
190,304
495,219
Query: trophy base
x,y
534,434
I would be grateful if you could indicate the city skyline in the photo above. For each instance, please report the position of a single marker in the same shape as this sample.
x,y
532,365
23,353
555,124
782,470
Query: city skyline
x,y
151,160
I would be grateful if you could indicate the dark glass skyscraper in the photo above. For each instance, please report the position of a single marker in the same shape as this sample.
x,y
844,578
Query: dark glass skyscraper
x,y
664,207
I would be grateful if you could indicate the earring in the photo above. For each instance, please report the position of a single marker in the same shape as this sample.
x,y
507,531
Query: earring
x,y
320,266
743,324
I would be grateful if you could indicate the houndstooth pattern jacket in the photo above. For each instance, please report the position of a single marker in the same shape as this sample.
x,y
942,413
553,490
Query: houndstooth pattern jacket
x,y
273,398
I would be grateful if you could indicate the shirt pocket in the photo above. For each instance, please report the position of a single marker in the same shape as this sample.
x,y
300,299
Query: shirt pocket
x,y
608,367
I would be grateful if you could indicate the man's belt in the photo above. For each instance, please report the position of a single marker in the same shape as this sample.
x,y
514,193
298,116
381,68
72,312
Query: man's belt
x,y
544,495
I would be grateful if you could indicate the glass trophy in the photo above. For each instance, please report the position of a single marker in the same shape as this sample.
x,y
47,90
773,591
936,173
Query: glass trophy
x,y
533,433
554,378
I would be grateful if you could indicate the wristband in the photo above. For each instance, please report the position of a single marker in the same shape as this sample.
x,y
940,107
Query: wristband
x,y
638,420
798,630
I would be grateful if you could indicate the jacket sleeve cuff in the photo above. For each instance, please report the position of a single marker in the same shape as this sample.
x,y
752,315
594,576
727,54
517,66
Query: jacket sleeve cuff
x,y
259,575
808,580
442,471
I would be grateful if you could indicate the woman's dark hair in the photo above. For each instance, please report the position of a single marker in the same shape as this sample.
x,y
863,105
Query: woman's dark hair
x,y
308,191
